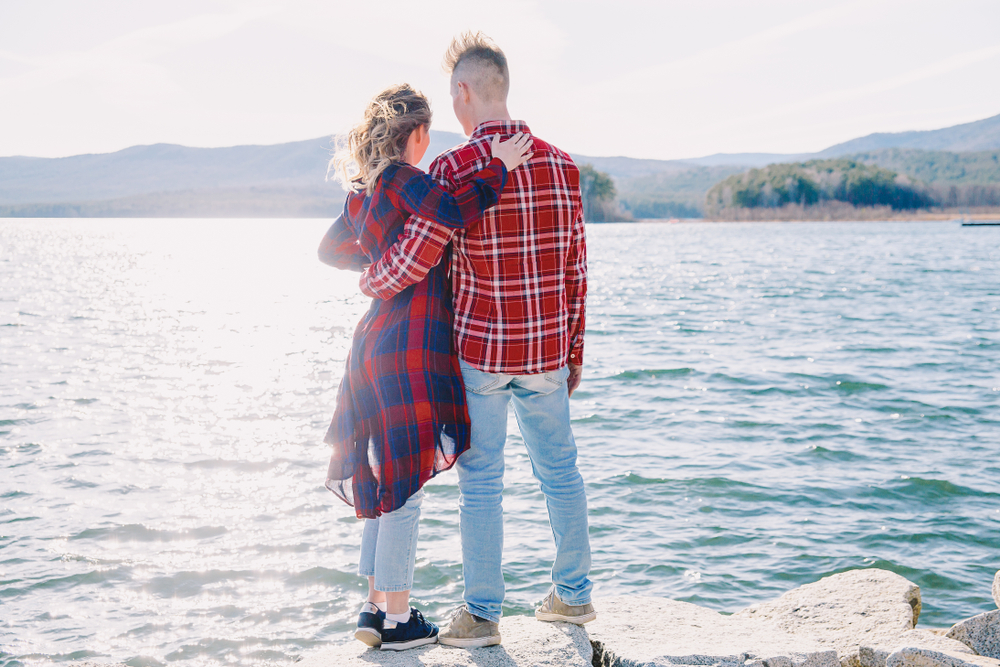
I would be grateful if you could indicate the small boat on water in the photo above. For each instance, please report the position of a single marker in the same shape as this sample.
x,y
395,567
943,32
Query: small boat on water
x,y
978,223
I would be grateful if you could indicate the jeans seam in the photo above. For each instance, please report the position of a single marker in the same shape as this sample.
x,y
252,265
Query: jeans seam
x,y
494,379
410,555
479,390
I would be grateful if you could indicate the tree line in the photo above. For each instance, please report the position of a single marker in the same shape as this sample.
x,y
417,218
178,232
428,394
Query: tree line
x,y
841,180
815,182
599,195
898,179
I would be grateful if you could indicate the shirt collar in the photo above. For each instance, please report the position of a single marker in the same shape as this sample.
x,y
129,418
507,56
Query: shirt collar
x,y
505,127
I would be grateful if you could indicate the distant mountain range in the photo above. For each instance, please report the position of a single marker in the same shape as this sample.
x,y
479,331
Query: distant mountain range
x,y
167,180
288,180
981,135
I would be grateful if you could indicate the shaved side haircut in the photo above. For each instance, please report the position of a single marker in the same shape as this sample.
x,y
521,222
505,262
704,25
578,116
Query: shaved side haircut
x,y
479,63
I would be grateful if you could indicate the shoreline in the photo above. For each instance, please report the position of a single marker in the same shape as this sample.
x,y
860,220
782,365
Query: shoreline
x,y
658,221
842,212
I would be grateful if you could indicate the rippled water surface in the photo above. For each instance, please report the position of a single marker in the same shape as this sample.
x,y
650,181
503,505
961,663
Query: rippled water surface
x,y
763,405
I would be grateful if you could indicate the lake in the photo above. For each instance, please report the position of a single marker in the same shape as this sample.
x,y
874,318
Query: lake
x,y
763,405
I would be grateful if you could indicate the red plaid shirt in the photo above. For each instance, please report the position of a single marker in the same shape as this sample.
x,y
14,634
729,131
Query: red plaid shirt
x,y
519,277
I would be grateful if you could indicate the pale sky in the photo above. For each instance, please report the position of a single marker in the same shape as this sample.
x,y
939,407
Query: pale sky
x,y
655,79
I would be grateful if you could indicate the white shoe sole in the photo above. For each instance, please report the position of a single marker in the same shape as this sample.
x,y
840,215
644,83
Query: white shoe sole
x,y
549,617
369,636
413,643
470,642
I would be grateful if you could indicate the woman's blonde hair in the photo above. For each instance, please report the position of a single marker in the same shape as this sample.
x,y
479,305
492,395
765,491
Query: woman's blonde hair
x,y
381,138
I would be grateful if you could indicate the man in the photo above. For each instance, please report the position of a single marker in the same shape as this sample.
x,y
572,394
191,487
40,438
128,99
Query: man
x,y
519,279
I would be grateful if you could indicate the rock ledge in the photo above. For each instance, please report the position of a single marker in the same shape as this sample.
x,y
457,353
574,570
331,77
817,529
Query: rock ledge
x,y
859,618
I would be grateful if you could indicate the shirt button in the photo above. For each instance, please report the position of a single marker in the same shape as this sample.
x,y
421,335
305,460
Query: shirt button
x,y
571,356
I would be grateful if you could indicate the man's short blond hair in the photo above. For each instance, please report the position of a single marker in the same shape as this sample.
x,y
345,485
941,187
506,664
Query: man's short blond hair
x,y
480,64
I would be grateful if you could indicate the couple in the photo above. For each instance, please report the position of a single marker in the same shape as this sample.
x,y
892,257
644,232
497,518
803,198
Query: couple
x,y
446,346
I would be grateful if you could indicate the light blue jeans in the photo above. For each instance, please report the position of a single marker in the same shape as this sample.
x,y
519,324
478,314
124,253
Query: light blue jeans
x,y
541,405
389,547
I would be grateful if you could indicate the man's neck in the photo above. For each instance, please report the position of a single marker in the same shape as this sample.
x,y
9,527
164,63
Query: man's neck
x,y
493,112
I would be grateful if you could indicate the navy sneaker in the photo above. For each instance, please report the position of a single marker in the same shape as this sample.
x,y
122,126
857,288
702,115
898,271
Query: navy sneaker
x,y
370,622
415,632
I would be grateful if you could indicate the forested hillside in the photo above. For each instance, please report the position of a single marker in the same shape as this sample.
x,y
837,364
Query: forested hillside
x,y
949,180
814,182
980,168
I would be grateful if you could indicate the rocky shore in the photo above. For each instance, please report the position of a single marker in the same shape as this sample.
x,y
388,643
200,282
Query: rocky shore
x,y
860,618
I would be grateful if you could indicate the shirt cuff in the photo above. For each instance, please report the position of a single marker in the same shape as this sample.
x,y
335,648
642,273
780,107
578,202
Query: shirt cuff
x,y
576,355
363,283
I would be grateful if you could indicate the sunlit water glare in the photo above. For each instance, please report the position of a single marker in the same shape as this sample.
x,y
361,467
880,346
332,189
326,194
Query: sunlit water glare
x,y
763,405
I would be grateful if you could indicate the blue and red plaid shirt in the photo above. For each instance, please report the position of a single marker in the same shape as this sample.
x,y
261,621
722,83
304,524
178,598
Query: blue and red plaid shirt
x,y
401,414
520,276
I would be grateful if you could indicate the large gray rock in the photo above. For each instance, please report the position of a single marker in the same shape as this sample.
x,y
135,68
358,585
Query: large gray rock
x,y
980,633
526,643
877,656
652,632
844,611
996,588
917,657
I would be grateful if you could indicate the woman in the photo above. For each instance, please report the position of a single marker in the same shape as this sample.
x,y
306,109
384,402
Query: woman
x,y
401,416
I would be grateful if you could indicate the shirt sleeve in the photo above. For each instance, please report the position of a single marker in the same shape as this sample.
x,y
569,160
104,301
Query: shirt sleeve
x,y
576,289
339,247
419,249
423,241
417,193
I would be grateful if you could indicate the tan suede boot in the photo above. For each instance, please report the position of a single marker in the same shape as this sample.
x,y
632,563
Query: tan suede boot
x,y
553,609
468,631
